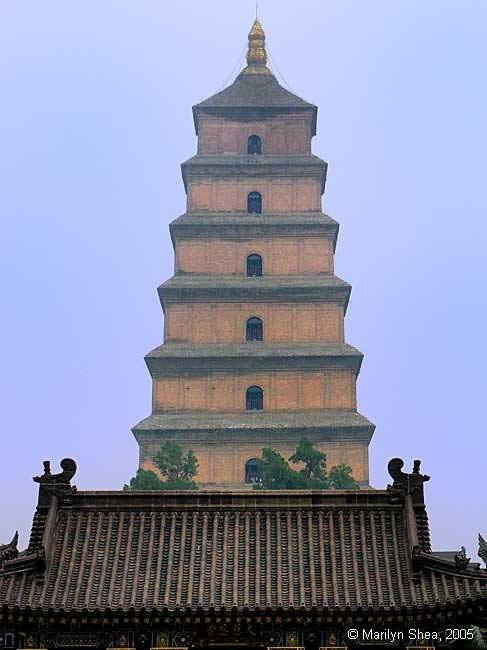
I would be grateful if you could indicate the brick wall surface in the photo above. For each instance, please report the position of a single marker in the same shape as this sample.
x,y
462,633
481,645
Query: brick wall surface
x,y
226,463
284,192
285,134
280,256
225,322
283,391
278,194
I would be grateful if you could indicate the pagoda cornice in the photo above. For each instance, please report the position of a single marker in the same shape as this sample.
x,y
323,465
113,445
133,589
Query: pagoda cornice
x,y
173,358
228,165
240,225
323,424
252,96
196,287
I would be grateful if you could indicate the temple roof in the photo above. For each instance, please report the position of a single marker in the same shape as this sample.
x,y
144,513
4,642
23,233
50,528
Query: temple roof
x,y
331,550
255,87
251,91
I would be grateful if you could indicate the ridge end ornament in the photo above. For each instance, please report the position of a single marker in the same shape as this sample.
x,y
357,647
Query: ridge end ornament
x,y
405,484
58,484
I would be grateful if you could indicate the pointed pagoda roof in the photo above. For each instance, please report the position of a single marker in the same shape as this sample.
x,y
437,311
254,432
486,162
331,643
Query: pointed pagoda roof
x,y
256,87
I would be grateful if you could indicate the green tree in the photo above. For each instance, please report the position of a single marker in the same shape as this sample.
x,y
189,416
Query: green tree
x,y
177,469
340,477
314,461
145,479
276,474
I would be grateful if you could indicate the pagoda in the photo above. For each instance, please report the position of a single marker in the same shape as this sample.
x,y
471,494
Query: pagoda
x,y
254,353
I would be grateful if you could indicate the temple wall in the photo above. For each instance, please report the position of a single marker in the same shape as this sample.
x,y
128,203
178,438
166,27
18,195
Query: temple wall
x,y
285,134
226,463
280,256
278,194
225,322
283,391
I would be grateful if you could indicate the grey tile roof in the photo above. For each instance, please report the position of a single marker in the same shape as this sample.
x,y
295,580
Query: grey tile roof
x,y
255,91
338,551
258,92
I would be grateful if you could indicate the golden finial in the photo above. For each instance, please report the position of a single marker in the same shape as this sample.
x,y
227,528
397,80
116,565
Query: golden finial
x,y
256,54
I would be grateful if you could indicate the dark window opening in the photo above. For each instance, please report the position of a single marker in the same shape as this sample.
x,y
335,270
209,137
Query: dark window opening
x,y
254,399
252,474
254,266
254,203
254,330
254,144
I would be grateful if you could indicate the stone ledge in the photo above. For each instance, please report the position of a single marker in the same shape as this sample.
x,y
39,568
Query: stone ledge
x,y
171,358
327,423
198,287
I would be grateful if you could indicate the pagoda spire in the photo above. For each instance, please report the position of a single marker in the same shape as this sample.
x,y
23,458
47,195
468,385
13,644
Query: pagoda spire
x,y
256,53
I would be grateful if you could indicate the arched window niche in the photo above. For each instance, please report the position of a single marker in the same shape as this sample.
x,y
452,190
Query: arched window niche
x,y
254,398
254,144
252,474
254,329
254,266
254,203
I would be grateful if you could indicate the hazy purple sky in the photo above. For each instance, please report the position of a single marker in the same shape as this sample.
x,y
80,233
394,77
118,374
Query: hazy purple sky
x,y
95,118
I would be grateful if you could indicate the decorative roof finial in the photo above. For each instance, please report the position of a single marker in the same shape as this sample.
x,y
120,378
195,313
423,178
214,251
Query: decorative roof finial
x,y
58,484
406,484
256,54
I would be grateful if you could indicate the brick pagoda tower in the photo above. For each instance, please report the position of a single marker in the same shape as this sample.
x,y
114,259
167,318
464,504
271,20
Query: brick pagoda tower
x,y
254,352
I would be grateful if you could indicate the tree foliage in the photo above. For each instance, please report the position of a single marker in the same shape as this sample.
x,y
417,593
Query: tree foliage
x,y
177,470
176,467
144,480
340,477
314,461
276,474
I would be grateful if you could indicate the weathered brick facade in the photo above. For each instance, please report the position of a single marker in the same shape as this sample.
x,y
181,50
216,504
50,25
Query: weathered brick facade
x,y
303,366
281,255
225,322
285,134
